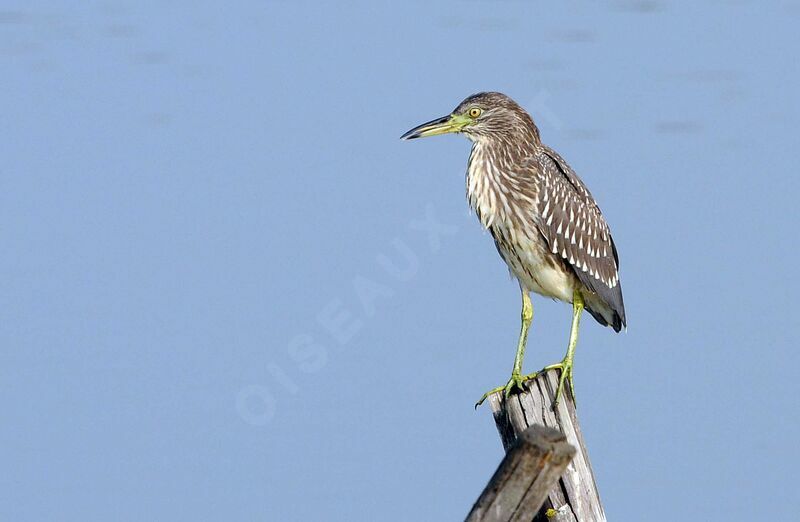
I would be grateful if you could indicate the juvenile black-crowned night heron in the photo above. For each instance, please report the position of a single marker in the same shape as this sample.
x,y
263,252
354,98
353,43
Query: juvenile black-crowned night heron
x,y
546,225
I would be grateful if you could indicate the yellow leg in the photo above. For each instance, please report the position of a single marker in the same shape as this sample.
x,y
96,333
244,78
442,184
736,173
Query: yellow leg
x,y
515,383
566,365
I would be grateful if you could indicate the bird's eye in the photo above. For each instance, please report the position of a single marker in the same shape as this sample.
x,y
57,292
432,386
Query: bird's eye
x,y
474,112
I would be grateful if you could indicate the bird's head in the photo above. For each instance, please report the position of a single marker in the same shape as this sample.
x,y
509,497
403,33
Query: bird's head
x,y
483,116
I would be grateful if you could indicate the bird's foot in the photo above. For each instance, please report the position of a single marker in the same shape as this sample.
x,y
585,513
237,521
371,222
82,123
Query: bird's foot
x,y
565,367
515,384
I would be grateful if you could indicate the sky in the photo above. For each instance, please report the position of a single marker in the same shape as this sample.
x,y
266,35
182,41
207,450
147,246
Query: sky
x,y
230,292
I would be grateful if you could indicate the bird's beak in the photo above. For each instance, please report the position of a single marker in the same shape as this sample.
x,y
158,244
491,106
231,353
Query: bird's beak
x,y
445,125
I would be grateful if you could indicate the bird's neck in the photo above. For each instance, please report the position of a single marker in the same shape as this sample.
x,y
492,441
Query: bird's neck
x,y
492,177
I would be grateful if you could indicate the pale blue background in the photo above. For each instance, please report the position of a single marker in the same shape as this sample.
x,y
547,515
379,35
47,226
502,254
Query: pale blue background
x,y
185,186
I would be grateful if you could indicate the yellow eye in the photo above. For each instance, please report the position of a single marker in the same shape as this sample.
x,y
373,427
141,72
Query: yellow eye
x,y
474,112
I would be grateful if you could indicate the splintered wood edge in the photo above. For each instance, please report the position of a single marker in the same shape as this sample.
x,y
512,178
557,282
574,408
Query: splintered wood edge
x,y
524,478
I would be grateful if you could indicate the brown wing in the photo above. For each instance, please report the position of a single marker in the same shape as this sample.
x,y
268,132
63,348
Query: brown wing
x,y
575,229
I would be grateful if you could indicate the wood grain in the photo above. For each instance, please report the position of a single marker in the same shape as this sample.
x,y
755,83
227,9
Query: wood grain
x,y
575,497
522,482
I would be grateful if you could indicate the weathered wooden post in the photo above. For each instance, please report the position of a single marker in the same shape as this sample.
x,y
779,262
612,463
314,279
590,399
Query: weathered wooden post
x,y
522,482
574,496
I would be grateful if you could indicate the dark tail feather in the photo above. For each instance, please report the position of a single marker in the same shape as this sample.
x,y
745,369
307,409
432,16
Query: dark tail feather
x,y
617,324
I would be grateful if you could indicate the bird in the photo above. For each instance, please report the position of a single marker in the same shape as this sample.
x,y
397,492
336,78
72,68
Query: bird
x,y
545,223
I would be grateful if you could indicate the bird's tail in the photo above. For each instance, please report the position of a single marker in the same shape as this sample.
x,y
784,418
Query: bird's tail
x,y
615,321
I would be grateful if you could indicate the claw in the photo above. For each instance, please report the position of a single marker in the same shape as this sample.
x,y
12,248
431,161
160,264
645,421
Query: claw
x,y
565,368
516,384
